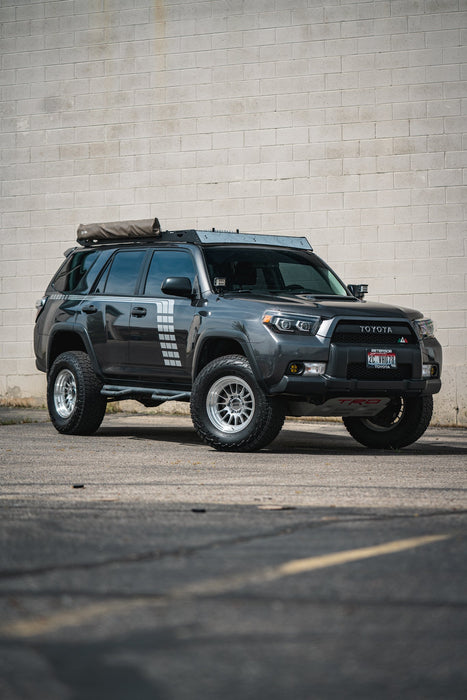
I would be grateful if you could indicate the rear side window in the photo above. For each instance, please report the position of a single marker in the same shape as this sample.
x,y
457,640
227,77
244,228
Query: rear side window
x,y
72,275
123,275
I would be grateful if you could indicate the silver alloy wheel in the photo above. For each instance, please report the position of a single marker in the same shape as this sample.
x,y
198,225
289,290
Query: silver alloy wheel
x,y
65,393
230,404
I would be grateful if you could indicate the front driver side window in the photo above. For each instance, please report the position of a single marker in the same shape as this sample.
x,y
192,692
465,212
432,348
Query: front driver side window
x,y
167,263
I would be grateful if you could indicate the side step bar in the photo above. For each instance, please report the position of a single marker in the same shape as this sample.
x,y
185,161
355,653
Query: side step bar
x,y
122,392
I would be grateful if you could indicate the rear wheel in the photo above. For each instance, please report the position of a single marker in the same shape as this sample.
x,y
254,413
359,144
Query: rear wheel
x,y
230,411
75,404
400,424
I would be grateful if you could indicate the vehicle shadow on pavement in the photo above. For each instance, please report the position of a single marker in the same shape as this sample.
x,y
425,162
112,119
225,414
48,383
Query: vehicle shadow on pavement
x,y
290,441
296,441
180,435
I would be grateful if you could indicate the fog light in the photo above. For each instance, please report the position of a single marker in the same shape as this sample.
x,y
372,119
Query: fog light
x,y
313,368
429,371
295,368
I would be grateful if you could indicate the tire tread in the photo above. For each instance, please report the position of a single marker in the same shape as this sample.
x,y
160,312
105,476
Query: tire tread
x,y
90,404
415,421
270,409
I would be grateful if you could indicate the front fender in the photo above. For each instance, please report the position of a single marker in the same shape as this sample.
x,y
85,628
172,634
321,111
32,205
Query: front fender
x,y
232,336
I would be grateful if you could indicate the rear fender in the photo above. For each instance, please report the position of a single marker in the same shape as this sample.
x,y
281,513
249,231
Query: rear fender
x,y
64,339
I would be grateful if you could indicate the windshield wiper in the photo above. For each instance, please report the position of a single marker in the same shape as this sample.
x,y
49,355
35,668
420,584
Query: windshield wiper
x,y
299,292
238,291
328,296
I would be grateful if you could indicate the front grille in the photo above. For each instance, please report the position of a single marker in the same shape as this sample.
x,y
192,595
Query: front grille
x,y
372,339
351,333
359,370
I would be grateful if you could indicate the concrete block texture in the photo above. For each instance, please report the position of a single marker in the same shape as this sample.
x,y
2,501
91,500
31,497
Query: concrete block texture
x,y
341,121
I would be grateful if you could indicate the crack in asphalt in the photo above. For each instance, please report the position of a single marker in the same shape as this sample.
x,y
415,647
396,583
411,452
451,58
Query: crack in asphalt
x,y
155,555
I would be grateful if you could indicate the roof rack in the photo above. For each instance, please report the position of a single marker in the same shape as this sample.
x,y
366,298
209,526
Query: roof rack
x,y
146,229
253,239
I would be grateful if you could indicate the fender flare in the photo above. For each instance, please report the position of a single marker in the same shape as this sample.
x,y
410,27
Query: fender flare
x,y
239,338
81,333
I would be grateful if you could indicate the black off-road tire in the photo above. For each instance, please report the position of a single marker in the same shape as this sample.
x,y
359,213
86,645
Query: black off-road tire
x,y
75,404
229,409
400,424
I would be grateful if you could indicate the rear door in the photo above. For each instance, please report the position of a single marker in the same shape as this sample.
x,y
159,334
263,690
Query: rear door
x,y
159,340
106,313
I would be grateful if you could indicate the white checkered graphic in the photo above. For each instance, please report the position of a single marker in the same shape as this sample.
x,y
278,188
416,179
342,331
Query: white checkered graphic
x,y
166,331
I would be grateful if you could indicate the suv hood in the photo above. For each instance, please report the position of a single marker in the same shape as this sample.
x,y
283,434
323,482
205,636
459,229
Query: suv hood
x,y
327,307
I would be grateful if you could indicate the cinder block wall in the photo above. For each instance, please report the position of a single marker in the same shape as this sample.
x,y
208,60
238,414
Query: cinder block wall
x,y
343,121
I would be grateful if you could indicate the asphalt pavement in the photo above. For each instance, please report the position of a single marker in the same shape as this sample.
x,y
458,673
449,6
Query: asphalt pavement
x,y
139,563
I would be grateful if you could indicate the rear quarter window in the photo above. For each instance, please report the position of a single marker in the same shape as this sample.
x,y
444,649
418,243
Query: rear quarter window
x,y
72,275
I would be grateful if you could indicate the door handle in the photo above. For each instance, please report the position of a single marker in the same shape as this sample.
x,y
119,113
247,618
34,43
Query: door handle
x,y
138,311
89,309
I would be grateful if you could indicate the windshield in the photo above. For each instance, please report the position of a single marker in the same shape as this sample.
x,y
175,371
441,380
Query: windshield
x,y
270,271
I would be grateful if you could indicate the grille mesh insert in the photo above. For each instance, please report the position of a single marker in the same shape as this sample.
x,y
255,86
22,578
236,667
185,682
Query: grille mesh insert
x,y
350,333
359,370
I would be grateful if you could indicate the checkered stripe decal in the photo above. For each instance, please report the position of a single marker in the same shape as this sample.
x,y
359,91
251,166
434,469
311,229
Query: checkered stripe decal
x,y
166,331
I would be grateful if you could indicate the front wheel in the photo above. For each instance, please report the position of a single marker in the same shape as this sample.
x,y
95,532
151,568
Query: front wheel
x,y
230,411
76,405
400,424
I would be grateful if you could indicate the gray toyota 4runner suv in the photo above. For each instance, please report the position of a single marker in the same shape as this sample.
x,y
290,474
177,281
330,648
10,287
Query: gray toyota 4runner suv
x,y
248,328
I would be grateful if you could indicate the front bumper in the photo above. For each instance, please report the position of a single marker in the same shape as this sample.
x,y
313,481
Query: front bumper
x,y
347,374
325,387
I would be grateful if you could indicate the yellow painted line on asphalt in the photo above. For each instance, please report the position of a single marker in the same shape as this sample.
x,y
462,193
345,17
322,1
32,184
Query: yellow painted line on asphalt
x,y
77,617
300,566
216,586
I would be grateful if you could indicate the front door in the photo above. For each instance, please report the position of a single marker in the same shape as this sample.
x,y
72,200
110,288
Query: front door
x,y
160,324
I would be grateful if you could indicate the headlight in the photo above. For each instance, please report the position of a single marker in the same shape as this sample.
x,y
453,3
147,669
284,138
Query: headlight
x,y
292,324
40,303
424,328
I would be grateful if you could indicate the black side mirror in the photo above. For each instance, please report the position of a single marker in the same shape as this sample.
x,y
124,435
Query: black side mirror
x,y
177,287
358,290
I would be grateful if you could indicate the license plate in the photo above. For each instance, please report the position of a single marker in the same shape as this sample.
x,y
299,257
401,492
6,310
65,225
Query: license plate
x,y
381,359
